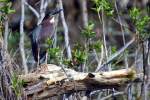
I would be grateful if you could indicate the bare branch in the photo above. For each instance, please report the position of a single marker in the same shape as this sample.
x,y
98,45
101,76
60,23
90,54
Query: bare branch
x,y
32,9
43,6
21,44
6,34
116,54
123,37
46,3
104,35
65,31
111,95
84,12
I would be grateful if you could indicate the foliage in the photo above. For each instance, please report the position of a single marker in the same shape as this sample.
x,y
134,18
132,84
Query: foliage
x,y
49,41
6,8
17,84
88,30
135,14
82,53
6,1
140,22
96,45
13,39
79,57
113,49
68,62
54,53
103,5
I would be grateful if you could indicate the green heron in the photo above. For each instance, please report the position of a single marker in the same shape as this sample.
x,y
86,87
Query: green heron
x,y
40,35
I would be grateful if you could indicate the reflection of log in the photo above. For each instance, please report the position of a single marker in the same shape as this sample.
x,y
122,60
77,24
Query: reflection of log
x,y
52,81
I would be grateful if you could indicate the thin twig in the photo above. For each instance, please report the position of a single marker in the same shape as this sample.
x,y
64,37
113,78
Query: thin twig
x,y
96,55
32,9
104,34
111,95
123,37
116,54
102,56
55,32
43,6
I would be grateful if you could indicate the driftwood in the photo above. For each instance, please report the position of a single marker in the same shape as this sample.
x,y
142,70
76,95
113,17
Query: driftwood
x,y
50,80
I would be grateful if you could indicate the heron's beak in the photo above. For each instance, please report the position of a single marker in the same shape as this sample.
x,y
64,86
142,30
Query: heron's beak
x,y
56,11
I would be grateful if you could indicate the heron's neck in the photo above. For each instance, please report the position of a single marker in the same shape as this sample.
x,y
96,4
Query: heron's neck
x,y
46,22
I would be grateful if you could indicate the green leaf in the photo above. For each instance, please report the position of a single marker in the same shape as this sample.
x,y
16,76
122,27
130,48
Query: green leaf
x,y
88,31
11,11
103,5
54,52
4,0
113,49
80,56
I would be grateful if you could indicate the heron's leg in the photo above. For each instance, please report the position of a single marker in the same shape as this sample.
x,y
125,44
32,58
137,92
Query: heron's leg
x,y
46,57
38,63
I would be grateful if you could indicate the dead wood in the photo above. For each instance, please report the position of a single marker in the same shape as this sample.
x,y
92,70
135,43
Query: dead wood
x,y
50,80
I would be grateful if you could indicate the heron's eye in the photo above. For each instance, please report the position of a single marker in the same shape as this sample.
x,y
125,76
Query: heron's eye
x,y
52,20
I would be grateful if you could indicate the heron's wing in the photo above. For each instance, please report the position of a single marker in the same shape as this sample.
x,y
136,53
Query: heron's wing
x,y
34,41
36,32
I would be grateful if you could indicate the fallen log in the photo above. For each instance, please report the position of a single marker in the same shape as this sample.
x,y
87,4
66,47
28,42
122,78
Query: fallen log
x,y
50,80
